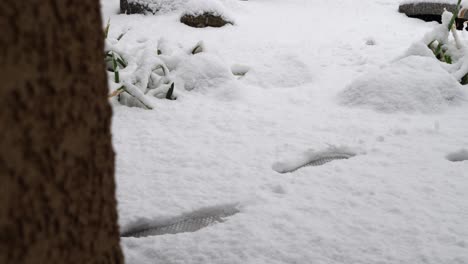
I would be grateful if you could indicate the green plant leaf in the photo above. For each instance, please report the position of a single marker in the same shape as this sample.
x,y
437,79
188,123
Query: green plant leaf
x,y
122,62
116,69
447,58
170,92
464,80
455,15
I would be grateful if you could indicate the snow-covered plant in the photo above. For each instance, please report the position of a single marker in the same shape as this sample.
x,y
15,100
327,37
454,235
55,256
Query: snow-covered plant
x,y
147,76
451,52
143,70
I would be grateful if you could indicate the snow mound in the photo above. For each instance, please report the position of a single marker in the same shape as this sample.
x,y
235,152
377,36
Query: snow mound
x,y
412,84
204,72
284,71
418,49
457,156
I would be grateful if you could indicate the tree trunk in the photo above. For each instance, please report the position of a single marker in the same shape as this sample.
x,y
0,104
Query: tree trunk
x,y
57,190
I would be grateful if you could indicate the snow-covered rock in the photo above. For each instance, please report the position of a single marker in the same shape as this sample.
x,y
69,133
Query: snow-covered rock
x,y
431,10
150,6
193,7
426,8
206,19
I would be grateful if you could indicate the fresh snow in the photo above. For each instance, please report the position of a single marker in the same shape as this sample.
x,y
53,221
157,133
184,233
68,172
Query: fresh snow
x,y
398,200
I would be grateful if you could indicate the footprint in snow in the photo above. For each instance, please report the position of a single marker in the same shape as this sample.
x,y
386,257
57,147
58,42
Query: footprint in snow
x,y
313,159
460,155
187,223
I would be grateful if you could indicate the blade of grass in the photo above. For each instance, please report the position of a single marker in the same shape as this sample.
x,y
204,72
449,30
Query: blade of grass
x,y
116,69
455,15
106,30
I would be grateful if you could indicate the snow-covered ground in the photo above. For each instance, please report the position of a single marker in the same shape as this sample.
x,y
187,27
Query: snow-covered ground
x,y
399,200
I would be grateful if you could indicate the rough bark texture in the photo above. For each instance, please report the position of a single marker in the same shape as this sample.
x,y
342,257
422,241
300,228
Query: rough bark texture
x,y
57,191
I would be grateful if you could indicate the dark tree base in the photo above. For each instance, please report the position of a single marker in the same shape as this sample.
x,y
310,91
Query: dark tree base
x,y
57,191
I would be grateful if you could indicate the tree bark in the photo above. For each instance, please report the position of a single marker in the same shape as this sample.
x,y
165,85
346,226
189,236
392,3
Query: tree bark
x,y
57,190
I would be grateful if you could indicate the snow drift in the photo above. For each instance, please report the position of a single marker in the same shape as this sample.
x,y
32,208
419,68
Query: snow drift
x,y
412,84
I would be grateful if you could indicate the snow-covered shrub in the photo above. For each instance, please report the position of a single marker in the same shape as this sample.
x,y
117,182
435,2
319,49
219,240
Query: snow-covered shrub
x,y
449,51
429,77
131,84
139,73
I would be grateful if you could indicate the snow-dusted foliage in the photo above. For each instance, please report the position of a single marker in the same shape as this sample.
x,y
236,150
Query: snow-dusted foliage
x,y
138,74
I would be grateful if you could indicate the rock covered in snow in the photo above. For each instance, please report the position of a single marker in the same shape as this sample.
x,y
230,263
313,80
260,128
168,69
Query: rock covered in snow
x,y
412,84
150,6
430,10
207,13
196,13
204,20
429,7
